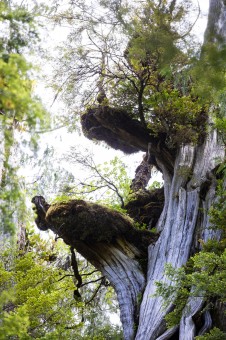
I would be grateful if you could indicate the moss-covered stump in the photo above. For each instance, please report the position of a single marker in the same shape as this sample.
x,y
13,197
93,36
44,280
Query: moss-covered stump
x,y
107,239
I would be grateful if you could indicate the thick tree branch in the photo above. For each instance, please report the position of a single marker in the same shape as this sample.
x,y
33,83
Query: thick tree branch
x,y
75,268
120,131
109,241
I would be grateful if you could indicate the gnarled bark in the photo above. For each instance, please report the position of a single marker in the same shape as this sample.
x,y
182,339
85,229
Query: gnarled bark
x,y
184,220
189,192
109,241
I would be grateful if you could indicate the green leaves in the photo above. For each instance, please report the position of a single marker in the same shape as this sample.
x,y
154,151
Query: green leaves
x,y
15,324
20,111
16,103
37,294
35,301
20,27
154,68
207,279
214,334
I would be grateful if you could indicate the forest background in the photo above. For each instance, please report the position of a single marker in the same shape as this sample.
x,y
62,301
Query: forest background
x,y
39,295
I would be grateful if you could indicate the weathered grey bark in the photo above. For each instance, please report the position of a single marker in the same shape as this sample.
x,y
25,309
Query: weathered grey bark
x,y
216,27
119,265
189,188
21,237
189,191
109,241
184,220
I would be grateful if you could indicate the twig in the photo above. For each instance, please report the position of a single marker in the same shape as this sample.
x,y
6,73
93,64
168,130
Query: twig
x,y
94,294
94,271
64,277
93,281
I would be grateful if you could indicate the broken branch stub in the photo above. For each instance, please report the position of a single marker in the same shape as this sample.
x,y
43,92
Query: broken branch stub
x,y
108,240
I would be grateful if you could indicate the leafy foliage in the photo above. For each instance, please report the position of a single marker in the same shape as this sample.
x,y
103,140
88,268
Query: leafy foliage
x,y
36,295
141,55
20,27
20,111
35,301
214,334
17,104
150,75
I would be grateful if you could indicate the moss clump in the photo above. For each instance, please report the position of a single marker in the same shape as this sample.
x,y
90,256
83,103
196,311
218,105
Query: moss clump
x,y
145,206
92,223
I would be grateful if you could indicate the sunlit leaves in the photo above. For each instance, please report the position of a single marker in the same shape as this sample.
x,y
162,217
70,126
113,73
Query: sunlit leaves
x,y
15,324
16,103
35,300
20,111
37,294
19,27
137,40
154,67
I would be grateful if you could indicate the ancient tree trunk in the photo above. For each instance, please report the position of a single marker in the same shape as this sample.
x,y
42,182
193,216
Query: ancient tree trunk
x,y
189,193
189,189
110,241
